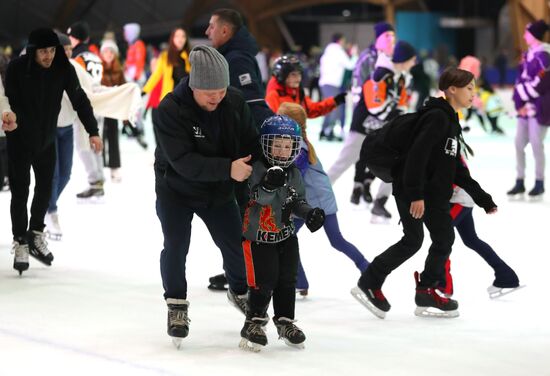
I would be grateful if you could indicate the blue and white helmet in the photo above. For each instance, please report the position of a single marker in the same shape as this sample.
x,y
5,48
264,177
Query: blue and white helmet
x,y
282,127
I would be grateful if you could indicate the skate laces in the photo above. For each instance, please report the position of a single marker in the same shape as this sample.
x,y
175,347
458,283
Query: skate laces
x,y
286,328
178,317
255,327
19,250
40,243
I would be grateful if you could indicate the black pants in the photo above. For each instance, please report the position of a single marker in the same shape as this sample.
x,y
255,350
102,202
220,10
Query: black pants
x,y
3,161
223,223
271,270
361,174
20,161
438,221
111,149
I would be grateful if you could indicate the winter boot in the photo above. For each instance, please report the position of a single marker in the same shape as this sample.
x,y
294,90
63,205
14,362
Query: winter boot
x,y
537,190
38,247
253,336
430,302
178,321
21,255
356,193
290,333
518,189
218,282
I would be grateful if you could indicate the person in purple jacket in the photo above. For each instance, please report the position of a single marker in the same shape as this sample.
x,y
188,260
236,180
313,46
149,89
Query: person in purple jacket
x,y
532,102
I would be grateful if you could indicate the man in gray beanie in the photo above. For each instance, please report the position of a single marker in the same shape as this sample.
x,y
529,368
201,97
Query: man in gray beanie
x,y
206,142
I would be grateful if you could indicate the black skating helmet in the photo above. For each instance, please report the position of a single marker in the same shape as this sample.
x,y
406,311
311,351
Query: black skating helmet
x,y
284,65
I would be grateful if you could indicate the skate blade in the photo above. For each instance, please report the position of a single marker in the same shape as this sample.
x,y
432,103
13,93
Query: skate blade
x,y
434,312
53,236
299,346
96,200
496,292
379,220
537,198
360,296
246,345
47,263
177,342
517,197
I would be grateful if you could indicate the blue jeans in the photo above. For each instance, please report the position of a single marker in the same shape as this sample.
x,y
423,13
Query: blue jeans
x,y
64,163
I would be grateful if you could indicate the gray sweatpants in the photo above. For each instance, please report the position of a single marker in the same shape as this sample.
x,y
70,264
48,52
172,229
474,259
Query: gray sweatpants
x,y
530,131
349,154
93,162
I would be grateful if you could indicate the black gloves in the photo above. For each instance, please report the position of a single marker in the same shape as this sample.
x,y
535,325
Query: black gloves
x,y
315,219
274,178
340,98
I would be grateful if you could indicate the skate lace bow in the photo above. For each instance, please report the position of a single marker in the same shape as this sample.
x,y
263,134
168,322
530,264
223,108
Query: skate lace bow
x,y
179,317
255,327
18,249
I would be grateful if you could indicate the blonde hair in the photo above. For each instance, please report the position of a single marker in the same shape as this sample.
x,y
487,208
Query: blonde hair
x,y
298,114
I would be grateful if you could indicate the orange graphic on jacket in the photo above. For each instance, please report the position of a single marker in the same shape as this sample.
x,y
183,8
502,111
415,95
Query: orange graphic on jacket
x,y
246,218
267,221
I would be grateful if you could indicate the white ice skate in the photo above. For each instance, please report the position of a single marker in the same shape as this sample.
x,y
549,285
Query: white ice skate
x,y
497,292
434,312
360,296
53,230
379,220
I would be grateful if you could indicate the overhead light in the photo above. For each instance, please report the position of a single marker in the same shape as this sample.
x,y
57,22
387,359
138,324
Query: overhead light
x,y
346,13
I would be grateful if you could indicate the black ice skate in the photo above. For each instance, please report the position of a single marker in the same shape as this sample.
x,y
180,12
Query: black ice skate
x,y
95,191
218,283
366,192
178,321
238,301
537,191
373,299
356,194
290,333
38,247
20,252
430,302
253,336
379,212
517,191
302,292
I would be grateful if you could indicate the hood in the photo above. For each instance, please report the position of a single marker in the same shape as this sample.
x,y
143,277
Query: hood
x,y
184,93
442,104
59,60
241,41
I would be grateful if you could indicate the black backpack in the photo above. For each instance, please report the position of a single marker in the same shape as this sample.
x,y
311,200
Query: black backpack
x,y
384,148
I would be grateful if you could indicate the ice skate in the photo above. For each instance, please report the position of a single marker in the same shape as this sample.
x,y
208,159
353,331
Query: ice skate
x,y
431,302
20,251
517,192
53,230
373,299
116,175
253,336
218,283
178,321
536,194
302,292
94,193
366,192
238,301
496,292
290,333
38,247
379,213
356,194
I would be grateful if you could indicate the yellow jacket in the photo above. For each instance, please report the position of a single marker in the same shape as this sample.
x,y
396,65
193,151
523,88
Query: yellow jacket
x,y
163,71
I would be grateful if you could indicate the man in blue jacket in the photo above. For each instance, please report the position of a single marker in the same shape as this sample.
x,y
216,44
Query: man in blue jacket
x,y
206,137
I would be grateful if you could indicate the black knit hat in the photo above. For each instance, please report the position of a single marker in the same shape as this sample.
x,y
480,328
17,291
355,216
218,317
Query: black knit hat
x,y
381,27
537,29
79,30
42,38
403,51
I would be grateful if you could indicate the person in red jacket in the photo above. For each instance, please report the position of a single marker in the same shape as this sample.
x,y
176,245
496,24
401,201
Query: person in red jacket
x,y
286,86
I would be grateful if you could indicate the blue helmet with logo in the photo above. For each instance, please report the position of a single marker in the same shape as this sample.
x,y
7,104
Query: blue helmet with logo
x,y
273,133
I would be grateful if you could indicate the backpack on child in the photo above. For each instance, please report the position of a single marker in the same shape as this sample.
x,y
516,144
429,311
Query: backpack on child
x,y
384,148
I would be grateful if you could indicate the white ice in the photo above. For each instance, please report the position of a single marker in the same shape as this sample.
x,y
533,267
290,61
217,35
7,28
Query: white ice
x,y
99,308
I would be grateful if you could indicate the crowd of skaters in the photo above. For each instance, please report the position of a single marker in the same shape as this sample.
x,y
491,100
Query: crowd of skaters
x,y
265,161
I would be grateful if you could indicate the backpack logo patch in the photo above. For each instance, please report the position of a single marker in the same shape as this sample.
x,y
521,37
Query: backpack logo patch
x,y
245,79
451,147
197,132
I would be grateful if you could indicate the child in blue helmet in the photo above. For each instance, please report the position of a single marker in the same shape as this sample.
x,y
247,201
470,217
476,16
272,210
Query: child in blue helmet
x,y
270,245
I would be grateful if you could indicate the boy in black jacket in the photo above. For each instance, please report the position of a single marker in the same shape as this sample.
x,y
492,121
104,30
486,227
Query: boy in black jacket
x,y
206,137
422,188
35,83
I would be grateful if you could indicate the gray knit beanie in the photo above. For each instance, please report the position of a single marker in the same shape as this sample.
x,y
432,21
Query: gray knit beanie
x,y
209,69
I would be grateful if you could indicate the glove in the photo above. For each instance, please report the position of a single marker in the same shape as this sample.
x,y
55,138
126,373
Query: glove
x,y
315,219
274,178
340,98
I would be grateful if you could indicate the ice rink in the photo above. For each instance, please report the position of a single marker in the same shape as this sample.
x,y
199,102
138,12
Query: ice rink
x,y
99,309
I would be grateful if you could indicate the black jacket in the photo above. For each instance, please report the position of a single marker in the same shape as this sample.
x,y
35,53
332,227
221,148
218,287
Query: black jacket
x,y
35,96
244,74
196,147
433,162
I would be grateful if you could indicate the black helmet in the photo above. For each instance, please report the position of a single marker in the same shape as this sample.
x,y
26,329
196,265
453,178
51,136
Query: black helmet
x,y
284,65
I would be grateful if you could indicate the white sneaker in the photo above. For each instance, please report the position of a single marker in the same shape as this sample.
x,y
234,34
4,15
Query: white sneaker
x,y
53,229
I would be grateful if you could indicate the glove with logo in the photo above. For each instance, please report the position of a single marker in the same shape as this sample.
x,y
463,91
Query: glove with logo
x,y
274,178
315,219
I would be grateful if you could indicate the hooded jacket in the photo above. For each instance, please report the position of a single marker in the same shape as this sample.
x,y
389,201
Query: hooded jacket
x,y
195,148
244,74
433,161
35,96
